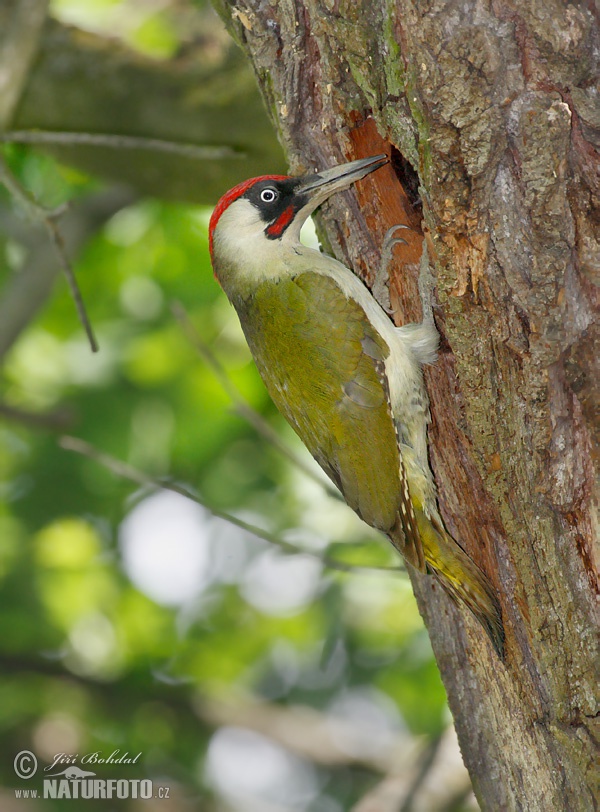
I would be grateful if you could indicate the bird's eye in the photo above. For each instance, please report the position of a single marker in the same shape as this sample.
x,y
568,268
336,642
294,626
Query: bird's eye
x,y
269,195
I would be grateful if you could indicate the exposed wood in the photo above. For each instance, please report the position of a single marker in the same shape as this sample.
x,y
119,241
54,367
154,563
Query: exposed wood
x,y
494,107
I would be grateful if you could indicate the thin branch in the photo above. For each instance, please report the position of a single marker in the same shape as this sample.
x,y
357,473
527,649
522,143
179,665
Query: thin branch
x,y
58,420
119,142
428,777
27,291
241,406
47,218
126,471
426,763
59,245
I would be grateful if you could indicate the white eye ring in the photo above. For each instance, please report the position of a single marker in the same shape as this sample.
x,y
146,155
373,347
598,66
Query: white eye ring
x,y
268,195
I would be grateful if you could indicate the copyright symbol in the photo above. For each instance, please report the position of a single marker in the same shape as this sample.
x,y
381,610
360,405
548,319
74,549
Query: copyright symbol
x,y
25,764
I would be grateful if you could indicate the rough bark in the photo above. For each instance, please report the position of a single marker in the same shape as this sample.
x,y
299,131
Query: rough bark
x,y
489,109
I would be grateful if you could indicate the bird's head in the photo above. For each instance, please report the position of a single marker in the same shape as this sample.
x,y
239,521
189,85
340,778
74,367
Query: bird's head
x,y
257,215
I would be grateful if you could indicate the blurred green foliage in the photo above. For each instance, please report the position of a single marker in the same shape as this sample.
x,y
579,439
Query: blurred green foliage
x,y
116,636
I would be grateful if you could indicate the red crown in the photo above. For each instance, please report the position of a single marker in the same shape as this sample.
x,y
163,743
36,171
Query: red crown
x,y
230,197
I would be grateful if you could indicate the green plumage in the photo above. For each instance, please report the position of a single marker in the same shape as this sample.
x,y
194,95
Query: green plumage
x,y
326,377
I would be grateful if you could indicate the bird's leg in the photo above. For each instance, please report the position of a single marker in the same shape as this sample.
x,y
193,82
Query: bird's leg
x,y
380,289
423,337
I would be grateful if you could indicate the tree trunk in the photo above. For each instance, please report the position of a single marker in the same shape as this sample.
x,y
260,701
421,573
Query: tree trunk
x,y
488,112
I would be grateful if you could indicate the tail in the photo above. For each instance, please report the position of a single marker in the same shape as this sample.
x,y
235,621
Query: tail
x,y
461,578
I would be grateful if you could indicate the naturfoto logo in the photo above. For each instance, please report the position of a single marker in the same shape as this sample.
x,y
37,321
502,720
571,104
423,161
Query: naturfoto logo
x,y
64,778
92,758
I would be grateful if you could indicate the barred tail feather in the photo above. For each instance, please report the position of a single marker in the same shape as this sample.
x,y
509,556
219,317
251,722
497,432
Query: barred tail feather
x,y
462,579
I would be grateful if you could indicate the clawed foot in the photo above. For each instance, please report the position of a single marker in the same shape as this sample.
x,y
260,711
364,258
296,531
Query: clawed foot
x,y
380,288
423,337
389,241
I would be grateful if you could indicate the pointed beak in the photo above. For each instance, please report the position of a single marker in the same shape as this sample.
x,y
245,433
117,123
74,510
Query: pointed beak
x,y
321,186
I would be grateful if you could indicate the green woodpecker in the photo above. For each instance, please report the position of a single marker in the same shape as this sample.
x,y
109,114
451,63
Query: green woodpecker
x,y
347,380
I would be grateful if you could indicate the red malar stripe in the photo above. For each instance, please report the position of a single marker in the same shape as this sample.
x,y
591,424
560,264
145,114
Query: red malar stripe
x,y
231,196
277,228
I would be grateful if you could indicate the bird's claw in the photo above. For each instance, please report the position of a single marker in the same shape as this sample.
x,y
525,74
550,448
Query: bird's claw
x,y
391,231
380,288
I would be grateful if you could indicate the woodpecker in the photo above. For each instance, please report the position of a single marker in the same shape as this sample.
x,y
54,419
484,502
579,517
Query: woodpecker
x,y
347,379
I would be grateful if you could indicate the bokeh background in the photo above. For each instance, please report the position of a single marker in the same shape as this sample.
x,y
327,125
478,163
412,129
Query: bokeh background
x,y
281,670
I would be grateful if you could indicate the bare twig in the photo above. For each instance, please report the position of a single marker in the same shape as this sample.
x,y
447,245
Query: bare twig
x,y
57,420
126,471
59,245
426,763
113,141
432,776
26,292
47,218
241,406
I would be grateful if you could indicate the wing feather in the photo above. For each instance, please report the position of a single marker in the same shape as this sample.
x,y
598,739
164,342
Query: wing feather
x,y
314,345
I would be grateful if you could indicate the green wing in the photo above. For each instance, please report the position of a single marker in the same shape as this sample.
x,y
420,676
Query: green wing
x,y
323,365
